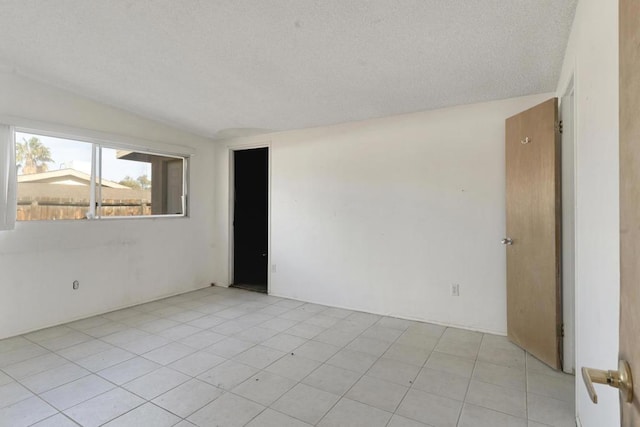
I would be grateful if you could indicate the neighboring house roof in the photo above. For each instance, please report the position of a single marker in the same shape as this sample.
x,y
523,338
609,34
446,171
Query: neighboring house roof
x,y
67,177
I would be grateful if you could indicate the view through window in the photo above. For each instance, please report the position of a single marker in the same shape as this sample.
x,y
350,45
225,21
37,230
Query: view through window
x,y
55,178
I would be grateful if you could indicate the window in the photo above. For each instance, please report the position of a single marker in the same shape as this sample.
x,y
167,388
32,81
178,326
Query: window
x,y
62,178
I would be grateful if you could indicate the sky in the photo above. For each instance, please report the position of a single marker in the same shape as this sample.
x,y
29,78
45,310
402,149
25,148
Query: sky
x,y
77,155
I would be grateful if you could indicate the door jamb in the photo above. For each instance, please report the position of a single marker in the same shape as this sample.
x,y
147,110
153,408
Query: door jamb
x,y
231,149
569,289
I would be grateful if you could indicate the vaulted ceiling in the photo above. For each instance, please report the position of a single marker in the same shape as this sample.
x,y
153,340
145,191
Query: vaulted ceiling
x,y
215,65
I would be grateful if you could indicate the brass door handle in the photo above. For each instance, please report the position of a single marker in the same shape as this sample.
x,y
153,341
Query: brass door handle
x,y
620,379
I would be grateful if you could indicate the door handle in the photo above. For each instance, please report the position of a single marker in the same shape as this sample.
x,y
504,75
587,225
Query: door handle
x,y
507,241
620,379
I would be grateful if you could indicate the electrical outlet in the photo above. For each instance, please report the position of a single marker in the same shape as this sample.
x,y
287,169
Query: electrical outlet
x,y
76,284
273,268
455,290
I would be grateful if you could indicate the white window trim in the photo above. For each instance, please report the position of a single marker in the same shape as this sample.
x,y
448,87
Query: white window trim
x,y
122,141
8,178
98,140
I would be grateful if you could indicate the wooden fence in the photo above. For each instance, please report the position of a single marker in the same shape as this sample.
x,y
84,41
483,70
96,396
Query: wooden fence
x,y
58,209
43,201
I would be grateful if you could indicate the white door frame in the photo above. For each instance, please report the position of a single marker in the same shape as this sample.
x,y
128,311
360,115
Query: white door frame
x,y
231,157
569,185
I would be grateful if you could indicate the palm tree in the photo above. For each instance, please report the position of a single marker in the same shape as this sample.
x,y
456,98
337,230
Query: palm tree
x,y
32,156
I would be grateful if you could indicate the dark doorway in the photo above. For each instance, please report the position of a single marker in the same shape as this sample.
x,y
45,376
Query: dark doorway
x,y
250,219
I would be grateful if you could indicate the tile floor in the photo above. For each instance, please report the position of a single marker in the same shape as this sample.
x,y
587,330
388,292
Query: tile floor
x,y
227,357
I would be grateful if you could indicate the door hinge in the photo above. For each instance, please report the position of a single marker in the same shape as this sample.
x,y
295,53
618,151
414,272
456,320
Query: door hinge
x,y
561,330
558,126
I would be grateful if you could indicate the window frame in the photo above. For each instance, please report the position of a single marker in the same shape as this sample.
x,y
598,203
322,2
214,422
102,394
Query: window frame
x,y
97,143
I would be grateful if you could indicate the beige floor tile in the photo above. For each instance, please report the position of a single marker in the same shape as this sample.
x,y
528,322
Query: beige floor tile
x,y
128,370
552,412
35,365
355,414
188,397
316,350
259,356
271,418
382,333
264,387
500,354
169,353
58,420
13,392
229,347
202,339
103,408
197,363
475,416
456,347
450,364
400,421
305,330
228,410
306,403
156,383
332,379
394,371
147,414
507,400
77,391
558,387
284,342
442,384
372,346
313,365
293,367
500,375
228,374
430,408
352,360
21,353
26,412
377,393
47,380
104,359
408,354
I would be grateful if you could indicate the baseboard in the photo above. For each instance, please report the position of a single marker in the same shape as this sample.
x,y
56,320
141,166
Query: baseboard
x,y
86,316
397,316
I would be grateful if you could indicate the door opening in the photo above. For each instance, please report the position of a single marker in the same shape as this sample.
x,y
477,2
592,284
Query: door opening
x,y
250,219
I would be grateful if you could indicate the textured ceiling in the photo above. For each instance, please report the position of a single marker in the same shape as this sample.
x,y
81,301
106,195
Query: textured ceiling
x,y
215,65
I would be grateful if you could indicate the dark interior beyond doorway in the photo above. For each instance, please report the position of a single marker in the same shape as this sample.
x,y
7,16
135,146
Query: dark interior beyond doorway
x,y
250,219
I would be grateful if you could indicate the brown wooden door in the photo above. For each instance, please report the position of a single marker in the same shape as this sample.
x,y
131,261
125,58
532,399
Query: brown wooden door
x,y
534,298
630,201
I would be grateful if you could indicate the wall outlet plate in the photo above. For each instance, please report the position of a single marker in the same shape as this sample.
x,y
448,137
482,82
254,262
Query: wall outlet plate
x,y
455,290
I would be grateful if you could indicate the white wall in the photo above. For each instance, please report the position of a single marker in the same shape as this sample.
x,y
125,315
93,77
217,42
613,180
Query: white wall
x,y
592,57
118,262
384,215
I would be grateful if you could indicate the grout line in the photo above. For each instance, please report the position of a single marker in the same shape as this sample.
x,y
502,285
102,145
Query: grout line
x,y
475,365
232,300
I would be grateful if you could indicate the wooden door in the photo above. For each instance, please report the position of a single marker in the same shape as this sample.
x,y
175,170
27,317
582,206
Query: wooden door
x,y
533,199
630,201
